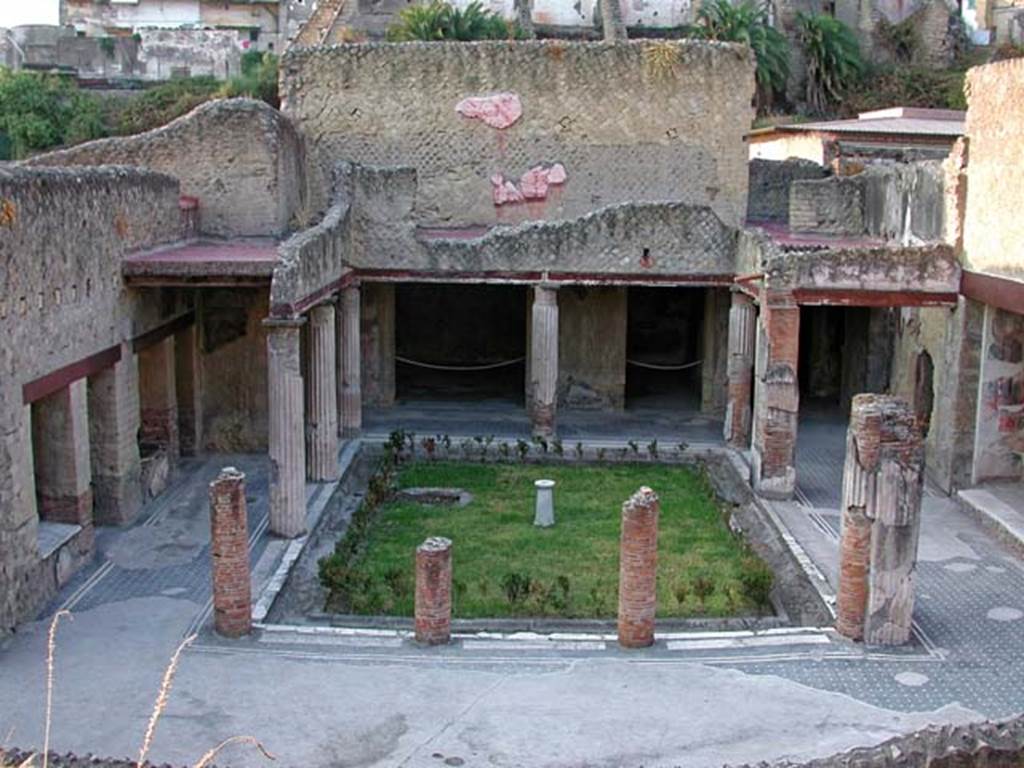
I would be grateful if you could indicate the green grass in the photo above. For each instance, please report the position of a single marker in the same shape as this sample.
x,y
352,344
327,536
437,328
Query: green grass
x,y
494,536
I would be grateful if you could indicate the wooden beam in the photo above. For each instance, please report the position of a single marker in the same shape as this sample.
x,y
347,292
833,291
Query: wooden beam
x,y
994,290
840,297
46,385
158,334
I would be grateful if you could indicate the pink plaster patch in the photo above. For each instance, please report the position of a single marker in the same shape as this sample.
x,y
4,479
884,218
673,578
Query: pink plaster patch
x,y
504,191
498,111
534,185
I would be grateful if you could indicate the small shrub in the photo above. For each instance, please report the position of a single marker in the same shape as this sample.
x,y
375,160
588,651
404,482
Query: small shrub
x,y
522,448
652,449
703,588
598,602
634,447
504,450
557,447
429,446
601,453
579,450
516,587
398,582
757,580
541,443
681,592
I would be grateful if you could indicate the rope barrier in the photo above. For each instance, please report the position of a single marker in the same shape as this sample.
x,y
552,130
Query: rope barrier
x,y
655,367
435,367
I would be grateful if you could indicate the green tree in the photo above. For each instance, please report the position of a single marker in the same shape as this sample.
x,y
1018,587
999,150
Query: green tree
x,y
832,54
40,111
257,81
442,21
746,23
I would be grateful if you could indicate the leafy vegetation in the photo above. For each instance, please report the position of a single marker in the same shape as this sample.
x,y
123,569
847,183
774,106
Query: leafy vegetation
x,y
747,23
503,566
442,21
833,60
907,86
42,111
39,111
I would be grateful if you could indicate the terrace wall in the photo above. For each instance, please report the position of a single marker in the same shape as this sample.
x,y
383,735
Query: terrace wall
x,y
633,122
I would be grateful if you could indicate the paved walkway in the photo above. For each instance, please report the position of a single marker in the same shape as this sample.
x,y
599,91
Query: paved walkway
x,y
322,698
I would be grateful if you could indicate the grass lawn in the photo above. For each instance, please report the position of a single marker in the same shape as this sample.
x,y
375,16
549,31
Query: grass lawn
x,y
504,566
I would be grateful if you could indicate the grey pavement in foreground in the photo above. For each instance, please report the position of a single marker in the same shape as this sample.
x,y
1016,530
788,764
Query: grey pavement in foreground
x,y
348,705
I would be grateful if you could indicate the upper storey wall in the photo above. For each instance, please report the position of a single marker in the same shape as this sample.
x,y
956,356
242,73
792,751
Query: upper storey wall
x,y
993,225
633,122
240,157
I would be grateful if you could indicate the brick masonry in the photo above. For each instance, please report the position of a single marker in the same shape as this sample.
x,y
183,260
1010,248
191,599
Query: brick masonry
x,y
638,565
434,591
229,547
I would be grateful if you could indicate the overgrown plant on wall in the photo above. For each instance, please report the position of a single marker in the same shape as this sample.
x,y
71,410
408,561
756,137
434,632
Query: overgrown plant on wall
x,y
833,59
749,24
40,111
442,21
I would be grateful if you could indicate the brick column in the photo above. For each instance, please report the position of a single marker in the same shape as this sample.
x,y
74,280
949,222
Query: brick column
x,y
434,591
158,398
542,389
114,441
350,391
638,567
60,446
322,413
229,546
881,511
777,397
287,440
742,326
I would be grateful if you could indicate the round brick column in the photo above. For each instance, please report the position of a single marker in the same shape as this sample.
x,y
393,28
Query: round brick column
x,y
638,566
229,545
434,591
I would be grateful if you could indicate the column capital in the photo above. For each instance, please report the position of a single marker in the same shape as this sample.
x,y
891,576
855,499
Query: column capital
x,y
283,323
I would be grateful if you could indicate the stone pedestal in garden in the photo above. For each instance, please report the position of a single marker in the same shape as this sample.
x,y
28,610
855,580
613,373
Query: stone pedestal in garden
x,y
544,510
638,565
229,546
434,591
882,483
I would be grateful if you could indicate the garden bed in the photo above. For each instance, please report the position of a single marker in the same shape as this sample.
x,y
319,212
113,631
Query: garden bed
x,y
505,567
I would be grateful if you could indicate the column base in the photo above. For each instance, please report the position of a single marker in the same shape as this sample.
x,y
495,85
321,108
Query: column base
x,y
542,418
117,498
778,487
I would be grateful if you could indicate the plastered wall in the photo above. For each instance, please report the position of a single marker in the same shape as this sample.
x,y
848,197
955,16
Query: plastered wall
x,y
63,234
993,225
506,132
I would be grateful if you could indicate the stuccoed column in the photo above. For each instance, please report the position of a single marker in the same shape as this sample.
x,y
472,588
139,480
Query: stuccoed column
x,y
322,414
777,401
882,483
287,438
543,386
350,391
740,368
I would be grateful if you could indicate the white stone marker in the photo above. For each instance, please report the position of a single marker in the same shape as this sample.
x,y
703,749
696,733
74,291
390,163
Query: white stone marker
x,y
544,514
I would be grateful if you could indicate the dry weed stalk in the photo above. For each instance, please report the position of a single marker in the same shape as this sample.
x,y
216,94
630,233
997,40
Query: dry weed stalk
x,y
161,699
662,59
51,647
206,759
